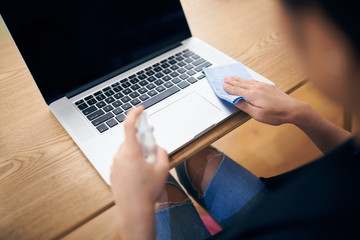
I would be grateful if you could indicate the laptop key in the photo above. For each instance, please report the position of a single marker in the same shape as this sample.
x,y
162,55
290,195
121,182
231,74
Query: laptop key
x,y
125,85
159,75
118,95
151,79
167,71
98,93
91,101
126,91
142,90
116,103
192,80
100,97
201,77
189,60
125,99
191,72
88,98
195,56
124,80
121,118
172,62
165,65
202,66
135,80
117,89
143,83
174,74
89,110
148,103
135,87
183,84
150,86
102,128
152,93
198,62
144,97
188,54
135,102
168,84
126,106
82,106
188,67
166,78
112,123
109,93
79,102
140,72
181,70
176,80
174,67
132,76
142,76
102,119
157,69
108,108
183,76
110,100
160,88
181,64
101,104
115,85
134,94
96,114
179,58
117,111
159,82
150,73
106,89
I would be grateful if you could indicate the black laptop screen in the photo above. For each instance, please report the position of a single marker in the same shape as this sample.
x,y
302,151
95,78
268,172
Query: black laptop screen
x,y
67,44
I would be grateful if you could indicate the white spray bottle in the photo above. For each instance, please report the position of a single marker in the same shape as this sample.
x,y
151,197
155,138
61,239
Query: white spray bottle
x,y
146,139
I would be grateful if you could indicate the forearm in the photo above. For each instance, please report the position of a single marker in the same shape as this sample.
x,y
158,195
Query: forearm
x,y
137,222
325,134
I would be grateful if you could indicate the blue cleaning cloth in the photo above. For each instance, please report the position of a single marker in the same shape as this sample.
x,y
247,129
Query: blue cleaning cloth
x,y
216,76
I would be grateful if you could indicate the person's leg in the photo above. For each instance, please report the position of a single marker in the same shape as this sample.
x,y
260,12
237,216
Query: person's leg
x,y
176,216
218,183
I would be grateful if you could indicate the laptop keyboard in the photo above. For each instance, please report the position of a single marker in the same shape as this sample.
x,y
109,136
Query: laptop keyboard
x,y
108,107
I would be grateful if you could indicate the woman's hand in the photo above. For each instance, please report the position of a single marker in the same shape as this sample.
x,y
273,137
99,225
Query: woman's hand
x,y
267,103
136,184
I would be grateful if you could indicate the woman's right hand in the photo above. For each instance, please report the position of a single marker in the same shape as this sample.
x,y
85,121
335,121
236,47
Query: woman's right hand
x,y
266,103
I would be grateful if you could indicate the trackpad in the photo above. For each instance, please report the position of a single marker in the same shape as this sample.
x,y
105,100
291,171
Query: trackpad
x,y
186,117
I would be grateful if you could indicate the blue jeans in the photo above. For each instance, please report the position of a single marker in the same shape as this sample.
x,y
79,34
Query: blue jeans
x,y
231,188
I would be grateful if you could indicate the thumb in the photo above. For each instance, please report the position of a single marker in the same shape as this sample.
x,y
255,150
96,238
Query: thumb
x,y
247,107
162,165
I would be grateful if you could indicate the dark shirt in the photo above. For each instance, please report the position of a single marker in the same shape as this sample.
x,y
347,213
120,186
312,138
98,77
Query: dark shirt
x,y
320,200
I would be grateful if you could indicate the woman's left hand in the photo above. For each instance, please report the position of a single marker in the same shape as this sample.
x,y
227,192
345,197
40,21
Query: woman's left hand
x,y
136,184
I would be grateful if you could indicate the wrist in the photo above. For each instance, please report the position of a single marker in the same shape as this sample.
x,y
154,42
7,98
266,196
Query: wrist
x,y
302,114
136,221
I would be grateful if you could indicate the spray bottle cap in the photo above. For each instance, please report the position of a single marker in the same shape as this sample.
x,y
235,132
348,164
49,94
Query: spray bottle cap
x,y
143,125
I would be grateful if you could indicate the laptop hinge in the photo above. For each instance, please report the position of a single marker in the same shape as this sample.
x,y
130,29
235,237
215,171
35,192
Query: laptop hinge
x,y
95,82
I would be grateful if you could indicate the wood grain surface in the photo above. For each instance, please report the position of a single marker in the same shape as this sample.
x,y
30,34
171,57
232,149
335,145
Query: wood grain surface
x,y
48,187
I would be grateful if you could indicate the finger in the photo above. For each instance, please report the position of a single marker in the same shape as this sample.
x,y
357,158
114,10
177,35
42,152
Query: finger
x,y
248,108
162,165
237,81
235,90
129,124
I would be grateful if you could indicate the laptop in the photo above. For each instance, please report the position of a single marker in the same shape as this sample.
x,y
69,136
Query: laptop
x,y
95,60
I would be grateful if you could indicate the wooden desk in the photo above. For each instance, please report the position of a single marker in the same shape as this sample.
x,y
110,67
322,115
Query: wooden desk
x,y
48,188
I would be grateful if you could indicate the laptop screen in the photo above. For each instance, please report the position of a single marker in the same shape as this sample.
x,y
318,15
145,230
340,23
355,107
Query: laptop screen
x,y
71,43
